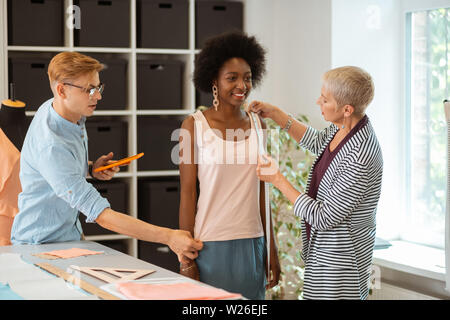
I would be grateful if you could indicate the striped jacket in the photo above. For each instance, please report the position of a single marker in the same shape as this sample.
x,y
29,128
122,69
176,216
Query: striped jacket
x,y
338,256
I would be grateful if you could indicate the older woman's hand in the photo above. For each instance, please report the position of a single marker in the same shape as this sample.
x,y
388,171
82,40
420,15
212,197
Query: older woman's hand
x,y
264,109
267,169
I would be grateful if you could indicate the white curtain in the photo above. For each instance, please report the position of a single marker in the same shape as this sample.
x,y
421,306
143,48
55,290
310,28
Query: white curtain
x,y
447,214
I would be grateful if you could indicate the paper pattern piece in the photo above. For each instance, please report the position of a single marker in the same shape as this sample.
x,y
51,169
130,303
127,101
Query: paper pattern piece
x,y
30,282
71,253
45,256
173,291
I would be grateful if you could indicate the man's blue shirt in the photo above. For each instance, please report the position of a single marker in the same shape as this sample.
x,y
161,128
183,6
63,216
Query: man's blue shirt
x,y
53,169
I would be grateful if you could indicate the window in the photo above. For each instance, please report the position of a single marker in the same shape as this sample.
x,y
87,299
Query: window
x,y
428,83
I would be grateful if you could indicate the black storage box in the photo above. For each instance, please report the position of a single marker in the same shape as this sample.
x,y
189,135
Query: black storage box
x,y
31,81
204,99
114,76
163,24
154,139
35,23
159,202
117,194
107,136
104,23
159,205
159,84
158,254
216,17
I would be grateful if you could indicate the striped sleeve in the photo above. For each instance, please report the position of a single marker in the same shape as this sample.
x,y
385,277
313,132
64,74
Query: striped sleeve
x,y
313,139
339,202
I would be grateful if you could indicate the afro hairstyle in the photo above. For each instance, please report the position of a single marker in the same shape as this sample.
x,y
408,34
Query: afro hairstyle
x,y
219,49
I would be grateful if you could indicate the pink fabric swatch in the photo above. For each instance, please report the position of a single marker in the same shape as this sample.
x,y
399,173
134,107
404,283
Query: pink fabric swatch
x,y
174,291
71,253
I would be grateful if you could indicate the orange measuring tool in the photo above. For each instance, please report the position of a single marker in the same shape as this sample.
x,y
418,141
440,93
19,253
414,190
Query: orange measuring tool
x,y
119,162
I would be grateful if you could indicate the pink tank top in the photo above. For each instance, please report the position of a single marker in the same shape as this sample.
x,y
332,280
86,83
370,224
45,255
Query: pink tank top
x,y
228,204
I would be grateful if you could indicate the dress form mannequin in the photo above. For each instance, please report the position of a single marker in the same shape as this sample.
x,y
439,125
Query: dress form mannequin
x,y
13,120
13,127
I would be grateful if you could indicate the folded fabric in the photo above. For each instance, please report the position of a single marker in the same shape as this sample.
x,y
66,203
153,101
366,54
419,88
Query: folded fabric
x,y
173,291
71,253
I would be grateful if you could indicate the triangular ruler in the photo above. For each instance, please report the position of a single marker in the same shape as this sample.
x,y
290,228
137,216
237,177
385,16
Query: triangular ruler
x,y
101,273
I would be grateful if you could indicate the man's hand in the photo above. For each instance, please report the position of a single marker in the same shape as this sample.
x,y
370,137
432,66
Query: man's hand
x,y
182,243
105,174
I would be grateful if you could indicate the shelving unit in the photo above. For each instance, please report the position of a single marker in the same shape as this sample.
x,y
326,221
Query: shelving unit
x,y
131,114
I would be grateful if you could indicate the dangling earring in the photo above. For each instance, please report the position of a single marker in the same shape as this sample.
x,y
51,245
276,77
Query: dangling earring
x,y
216,97
343,126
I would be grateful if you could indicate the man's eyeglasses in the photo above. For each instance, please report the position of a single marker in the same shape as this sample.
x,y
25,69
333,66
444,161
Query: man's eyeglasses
x,y
90,91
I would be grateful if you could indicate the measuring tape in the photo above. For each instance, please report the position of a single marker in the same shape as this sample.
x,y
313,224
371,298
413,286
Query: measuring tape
x,y
262,152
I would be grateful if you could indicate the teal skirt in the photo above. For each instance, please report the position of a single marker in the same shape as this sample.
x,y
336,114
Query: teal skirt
x,y
235,265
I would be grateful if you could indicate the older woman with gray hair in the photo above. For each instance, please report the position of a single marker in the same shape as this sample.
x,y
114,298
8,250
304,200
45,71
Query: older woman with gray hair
x,y
339,205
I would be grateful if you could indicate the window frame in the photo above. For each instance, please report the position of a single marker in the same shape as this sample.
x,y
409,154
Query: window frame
x,y
409,8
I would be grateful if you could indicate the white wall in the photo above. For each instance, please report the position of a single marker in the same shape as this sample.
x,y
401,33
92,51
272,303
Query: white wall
x,y
297,35
371,35
368,34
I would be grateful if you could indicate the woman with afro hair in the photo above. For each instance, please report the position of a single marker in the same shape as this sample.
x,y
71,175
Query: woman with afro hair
x,y
219,148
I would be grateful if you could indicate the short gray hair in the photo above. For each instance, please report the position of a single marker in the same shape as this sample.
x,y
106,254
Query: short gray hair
x,y
350,85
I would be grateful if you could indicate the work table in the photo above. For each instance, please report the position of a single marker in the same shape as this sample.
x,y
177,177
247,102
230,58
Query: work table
x,y
109,258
